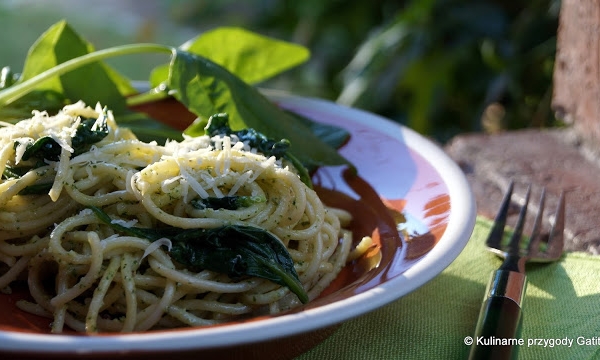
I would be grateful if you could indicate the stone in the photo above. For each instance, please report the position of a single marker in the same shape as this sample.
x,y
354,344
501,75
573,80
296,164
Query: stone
x,y
554,159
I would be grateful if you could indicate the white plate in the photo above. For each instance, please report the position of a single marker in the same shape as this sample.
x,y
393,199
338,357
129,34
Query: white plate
x,y
408,172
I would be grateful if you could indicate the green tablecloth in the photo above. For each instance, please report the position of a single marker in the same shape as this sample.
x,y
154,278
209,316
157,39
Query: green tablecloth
x,y
561,312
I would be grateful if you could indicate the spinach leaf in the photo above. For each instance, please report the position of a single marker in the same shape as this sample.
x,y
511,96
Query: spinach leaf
x,y
331,135
43,148
206,88
12,173
89,132
251,57
36,189
92,83
234,250
62,67
218,124
226,202
49,100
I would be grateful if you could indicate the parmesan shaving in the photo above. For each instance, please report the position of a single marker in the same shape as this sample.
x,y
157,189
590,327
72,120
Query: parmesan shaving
x,y
22,144
124,223
156,245
240,181
4,156
193,183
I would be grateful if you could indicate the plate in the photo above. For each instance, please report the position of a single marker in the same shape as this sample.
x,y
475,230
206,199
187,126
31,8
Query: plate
x,y
409,195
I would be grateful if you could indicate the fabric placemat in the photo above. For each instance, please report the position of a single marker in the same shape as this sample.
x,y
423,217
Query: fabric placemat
x,y
561,312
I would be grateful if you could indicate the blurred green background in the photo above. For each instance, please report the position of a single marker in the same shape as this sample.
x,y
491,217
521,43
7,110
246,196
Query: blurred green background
x,y
441,67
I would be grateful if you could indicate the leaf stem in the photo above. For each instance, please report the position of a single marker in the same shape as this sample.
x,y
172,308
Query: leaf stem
x,y
148,96
18,90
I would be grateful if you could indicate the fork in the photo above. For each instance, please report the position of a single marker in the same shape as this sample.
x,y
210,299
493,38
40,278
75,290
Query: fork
x,y
497,335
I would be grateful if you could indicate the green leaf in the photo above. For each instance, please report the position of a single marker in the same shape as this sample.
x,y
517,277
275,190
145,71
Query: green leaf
x,y
61,68
89,132
331,135
48,100
238,251
206,88
251,57
218,124
226,202
92,83
234,250
147,129
36,189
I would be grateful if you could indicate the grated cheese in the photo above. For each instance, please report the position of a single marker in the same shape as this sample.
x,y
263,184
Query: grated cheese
x,y
22,144
193,183
240,182
156,245
124,223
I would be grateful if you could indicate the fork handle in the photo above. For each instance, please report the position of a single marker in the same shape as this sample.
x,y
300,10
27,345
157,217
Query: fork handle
x,y
498,328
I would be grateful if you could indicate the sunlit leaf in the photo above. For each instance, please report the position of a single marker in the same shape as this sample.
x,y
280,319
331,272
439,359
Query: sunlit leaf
x,y
206,88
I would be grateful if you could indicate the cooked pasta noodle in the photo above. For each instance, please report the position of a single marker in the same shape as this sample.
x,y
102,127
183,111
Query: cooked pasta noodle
x,y
88,276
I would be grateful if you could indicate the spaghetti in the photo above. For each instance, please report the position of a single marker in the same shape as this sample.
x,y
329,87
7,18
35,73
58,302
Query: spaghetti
x,y
95,273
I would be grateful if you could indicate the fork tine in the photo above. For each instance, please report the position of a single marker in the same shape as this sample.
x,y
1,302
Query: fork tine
x,y
535,238
497,232
513,245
